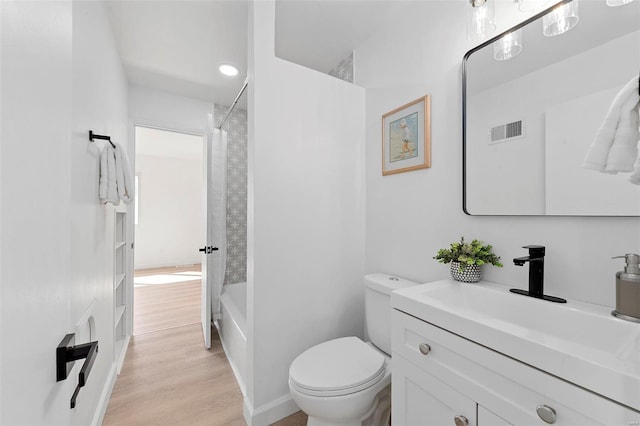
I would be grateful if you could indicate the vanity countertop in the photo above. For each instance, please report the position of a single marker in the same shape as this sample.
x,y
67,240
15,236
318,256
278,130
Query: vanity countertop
x,y
578,342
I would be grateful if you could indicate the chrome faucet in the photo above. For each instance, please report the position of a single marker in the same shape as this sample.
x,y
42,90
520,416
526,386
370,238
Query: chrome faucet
x,y
536,274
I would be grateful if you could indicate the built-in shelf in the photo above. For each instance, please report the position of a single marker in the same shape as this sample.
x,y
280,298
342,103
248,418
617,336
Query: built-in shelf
x,y
120,350
119,314
119,345
121,298
119,280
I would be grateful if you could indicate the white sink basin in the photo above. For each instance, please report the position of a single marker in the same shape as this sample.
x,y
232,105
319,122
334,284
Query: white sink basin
x,y
581,343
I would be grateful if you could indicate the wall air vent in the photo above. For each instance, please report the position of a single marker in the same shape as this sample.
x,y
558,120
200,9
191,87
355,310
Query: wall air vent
x,y
506,132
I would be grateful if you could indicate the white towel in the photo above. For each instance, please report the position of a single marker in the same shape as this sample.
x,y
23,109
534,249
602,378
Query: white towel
x,y
126,192
599,152
107,186
624,150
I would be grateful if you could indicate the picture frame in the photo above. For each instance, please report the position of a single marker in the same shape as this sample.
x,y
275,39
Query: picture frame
x,y
406,137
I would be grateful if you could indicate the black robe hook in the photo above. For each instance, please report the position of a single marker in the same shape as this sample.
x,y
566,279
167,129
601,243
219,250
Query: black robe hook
x,y
93,136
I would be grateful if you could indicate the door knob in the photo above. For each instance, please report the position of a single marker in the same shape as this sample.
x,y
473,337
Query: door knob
x,y
461,421
208,249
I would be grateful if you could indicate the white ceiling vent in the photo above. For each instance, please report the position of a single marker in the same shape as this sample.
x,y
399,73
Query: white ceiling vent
x,y
506,132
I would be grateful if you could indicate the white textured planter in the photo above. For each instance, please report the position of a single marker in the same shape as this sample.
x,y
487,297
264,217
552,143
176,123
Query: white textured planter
x,y
470,274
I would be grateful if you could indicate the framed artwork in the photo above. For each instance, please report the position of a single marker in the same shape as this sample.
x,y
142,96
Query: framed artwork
x,y
406,137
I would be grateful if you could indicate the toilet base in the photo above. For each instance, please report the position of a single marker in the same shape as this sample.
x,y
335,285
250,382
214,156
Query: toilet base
x,y
378,415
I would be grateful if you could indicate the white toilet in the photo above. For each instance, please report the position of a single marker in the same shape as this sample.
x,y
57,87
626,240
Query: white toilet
x,y
347,382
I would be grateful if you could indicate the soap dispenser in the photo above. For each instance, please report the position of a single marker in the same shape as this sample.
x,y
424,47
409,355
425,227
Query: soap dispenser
x,y
628,289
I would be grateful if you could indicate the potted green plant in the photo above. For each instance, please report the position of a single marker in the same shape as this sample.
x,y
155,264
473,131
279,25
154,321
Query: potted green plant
x,y
467,258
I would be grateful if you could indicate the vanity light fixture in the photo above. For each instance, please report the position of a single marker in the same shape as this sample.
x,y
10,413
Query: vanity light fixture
x,y
508,46
229,70
561,19
480,19
615,3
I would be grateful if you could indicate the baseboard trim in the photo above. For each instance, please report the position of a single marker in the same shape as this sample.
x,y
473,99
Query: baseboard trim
x,y
270,413
105,396
122,355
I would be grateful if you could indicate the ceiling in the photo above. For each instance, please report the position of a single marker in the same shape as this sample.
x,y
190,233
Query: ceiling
x,y
320,33
178,45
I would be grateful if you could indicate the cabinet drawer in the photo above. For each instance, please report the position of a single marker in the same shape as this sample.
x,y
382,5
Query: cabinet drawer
x,y
507,387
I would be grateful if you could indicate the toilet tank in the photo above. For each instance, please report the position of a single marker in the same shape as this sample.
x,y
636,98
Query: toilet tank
x,y
378,288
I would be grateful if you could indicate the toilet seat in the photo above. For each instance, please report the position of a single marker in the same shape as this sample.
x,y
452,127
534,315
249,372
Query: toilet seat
x,y
337,367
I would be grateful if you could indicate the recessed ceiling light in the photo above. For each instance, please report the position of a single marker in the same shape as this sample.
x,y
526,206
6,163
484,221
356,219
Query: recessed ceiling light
x,y
227,69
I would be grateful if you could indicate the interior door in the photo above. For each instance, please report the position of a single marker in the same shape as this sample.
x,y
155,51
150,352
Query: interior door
x,y
207,264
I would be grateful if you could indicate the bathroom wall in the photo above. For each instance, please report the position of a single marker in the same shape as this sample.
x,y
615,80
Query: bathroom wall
x,y
100,104
409,216
36,89
164,110
305,228
56,262
236,127
170,227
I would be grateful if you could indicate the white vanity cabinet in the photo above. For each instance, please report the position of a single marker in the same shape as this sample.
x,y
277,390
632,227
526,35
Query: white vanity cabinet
x,y
440,378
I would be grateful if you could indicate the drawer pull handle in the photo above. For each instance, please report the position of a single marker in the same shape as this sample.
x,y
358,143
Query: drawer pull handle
x,y
461,421
546,413
424,348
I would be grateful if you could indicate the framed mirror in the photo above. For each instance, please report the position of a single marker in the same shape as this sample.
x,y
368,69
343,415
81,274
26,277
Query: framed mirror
x,y
529,121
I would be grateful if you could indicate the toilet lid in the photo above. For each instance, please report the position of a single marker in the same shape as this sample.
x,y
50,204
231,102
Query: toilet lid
x,y
338,364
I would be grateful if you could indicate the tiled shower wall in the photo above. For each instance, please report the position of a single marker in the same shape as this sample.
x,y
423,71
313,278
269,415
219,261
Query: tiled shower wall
x,y
236,127
344,70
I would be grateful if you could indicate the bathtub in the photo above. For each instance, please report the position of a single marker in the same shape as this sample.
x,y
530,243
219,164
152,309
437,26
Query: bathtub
x,y
232,327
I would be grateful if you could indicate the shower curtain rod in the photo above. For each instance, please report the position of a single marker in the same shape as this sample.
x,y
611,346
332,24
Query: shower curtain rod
x,y
235,101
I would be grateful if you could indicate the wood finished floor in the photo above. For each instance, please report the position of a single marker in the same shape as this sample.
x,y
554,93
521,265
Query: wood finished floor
x,y
168,378
162,306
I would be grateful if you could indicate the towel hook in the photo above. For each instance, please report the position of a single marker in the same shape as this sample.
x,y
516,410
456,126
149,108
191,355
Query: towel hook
x,y
93,136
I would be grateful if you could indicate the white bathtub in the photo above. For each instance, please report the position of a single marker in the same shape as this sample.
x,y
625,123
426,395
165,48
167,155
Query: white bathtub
x,y
232,329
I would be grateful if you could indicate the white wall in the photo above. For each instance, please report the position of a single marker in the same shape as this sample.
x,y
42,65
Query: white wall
x,y
57,239
155,108
170,225
409,216
35,247
99,104
305,228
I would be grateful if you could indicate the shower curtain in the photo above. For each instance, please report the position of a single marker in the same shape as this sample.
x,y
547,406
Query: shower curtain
x,y
217,213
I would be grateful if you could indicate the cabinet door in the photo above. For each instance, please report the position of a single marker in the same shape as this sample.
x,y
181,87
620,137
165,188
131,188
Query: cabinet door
x,y
487,418
419,399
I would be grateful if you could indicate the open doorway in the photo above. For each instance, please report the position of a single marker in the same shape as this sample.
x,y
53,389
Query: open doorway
x,y
168,229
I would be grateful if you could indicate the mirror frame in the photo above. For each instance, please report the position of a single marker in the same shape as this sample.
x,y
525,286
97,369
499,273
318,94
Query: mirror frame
x,y
464,116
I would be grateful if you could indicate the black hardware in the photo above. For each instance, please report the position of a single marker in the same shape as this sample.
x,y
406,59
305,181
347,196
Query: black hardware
x,y
208,249
93,136
536,274
66,356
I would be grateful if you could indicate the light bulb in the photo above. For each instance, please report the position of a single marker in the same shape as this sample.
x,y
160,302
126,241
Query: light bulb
x,y
561,19
480,19
615,3
507,47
